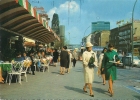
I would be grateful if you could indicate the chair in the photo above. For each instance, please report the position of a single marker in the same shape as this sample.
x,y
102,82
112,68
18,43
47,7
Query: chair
x,y
35,63
26,64
15,70
46,64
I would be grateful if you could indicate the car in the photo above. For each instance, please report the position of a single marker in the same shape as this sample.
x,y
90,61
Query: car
x,y
136,61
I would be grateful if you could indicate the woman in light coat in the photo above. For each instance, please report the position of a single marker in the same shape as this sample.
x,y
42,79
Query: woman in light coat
x,y
88,72
100,64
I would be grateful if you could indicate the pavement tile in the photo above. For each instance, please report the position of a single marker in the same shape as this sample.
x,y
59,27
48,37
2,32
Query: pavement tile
x,y
53,86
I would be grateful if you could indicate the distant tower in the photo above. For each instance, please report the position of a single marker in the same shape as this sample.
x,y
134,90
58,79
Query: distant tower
x,y
62,31
55,23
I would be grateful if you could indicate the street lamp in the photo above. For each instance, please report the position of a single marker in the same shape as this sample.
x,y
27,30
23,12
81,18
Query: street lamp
x,y
126,43
69,38
84,33
132,30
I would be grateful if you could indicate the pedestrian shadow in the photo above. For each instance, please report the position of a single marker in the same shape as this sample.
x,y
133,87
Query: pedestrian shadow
x,y
100,90
138,97
97,82
55,72
74,89
79,71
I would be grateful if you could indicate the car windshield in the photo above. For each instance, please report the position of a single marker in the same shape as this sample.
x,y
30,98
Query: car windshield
x,y
135,58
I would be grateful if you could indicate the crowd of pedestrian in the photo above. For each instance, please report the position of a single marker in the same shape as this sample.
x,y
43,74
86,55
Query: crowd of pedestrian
x,y
106,63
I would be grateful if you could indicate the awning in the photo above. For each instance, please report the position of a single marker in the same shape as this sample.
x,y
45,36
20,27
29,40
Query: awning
x,y
19,17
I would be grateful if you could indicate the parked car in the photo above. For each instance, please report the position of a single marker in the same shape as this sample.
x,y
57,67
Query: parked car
x,y
136,61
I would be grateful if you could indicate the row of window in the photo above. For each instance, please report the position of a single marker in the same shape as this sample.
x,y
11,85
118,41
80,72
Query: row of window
x,y
122,42
127,32
124,37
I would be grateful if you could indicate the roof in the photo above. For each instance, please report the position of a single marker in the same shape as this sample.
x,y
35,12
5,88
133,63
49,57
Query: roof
x,y
19,17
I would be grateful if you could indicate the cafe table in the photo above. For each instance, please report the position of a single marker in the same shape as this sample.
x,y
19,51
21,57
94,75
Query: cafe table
x,y
3,68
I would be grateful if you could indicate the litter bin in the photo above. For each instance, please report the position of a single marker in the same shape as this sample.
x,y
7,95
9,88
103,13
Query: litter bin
x,y
126,61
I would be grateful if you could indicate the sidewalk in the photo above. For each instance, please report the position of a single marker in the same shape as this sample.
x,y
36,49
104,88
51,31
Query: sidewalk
x,y
51,85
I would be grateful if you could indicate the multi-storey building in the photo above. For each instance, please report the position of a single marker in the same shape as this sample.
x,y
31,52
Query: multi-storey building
x,y
121,36
86,39
100,38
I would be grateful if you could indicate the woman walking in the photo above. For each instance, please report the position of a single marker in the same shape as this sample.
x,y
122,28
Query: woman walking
x,y
69,64
89,72
64,58
100,63
109,63
55,57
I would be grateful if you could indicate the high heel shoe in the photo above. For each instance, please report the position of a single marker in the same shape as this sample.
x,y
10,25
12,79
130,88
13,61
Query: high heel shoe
x,y
108,91
84,90
92,95
111,94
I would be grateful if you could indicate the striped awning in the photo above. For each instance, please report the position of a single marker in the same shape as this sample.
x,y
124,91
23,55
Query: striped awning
x,y
19,17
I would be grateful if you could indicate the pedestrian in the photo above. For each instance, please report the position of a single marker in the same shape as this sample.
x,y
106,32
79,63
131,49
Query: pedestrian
x,y
100,63
55,57
64,58
75,57
69,64
109,65
89,72
32,64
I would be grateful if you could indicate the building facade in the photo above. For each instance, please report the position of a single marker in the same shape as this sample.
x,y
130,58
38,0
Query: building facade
x,y
100,26
121,37
86,39
100,38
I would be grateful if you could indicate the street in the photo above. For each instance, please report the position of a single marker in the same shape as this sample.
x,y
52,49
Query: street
x,y
52,85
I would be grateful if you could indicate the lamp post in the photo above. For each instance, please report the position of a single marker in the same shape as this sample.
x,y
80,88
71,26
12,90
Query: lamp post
x,y
84,34
132,30
69,38
126,43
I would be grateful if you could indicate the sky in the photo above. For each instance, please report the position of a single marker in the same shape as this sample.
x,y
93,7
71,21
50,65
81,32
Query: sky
x,y
77,15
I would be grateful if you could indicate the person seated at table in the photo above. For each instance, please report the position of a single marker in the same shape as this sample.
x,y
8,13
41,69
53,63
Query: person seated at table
x,y
25,57
43,54
43,59
19,57
27,64
38,56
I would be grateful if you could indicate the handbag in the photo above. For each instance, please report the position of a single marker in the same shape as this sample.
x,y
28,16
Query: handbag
x,y
91,61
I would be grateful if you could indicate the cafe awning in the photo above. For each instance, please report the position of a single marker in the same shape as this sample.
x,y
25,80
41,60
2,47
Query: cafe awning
x,y
19,17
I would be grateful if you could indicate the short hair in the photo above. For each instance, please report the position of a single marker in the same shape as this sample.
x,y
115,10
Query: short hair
x,y
87,48
110,45
65,47
104,49
18,53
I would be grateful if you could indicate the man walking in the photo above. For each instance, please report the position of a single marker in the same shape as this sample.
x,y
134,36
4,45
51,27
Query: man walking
x,y
75,57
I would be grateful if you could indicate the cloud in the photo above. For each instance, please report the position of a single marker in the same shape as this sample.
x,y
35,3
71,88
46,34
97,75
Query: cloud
x,y
63,8
71,6
51,12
